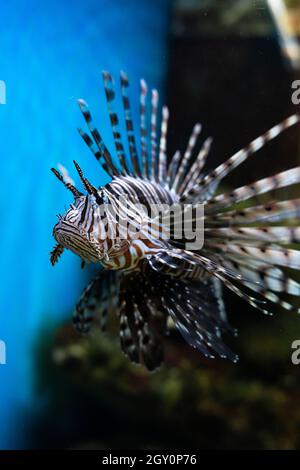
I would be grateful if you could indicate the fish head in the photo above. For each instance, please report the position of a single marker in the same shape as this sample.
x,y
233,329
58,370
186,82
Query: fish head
x,y
83,228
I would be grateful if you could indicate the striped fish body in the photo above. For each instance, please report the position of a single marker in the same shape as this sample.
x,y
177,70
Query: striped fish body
x,y
147,196
139,191
149,277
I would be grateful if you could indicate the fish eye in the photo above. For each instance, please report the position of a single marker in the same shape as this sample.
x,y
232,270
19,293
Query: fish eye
x,y
104,197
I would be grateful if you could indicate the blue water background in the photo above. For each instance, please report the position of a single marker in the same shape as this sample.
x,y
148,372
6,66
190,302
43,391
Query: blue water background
x,y
52,53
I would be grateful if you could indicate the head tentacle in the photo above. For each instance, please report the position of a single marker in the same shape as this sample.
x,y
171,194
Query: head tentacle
x,y
69,186
87,185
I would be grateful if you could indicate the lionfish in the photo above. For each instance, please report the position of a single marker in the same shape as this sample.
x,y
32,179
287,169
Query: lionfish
x,y
155,282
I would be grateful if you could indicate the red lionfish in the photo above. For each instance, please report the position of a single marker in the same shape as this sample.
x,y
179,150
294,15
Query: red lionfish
x,y
150,282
